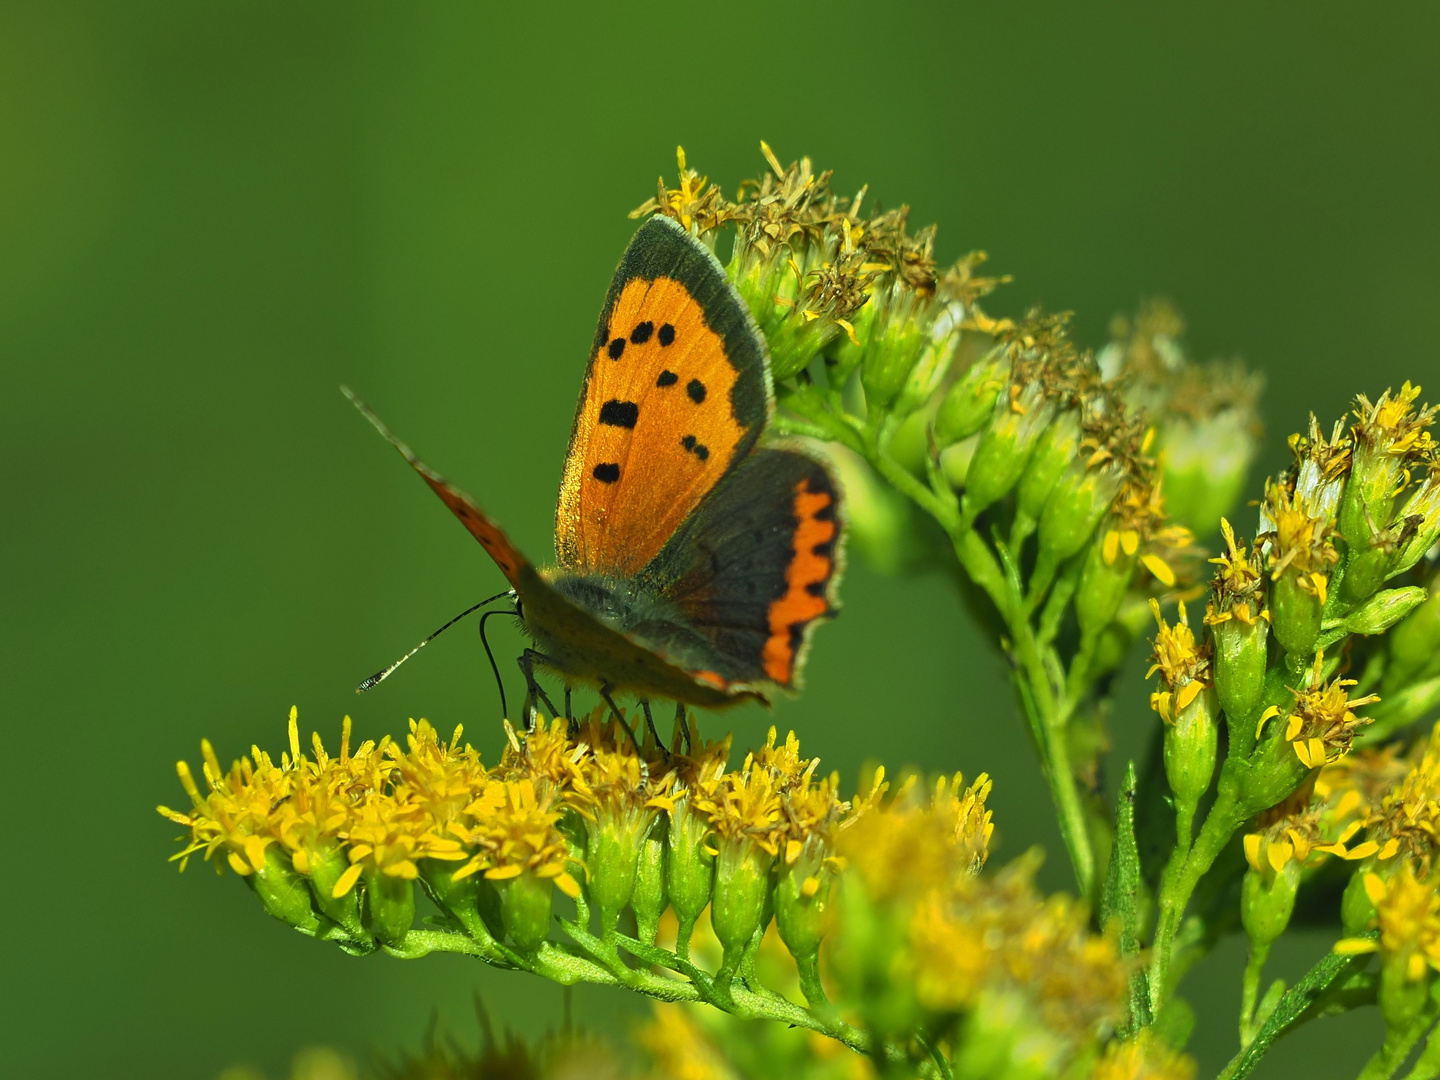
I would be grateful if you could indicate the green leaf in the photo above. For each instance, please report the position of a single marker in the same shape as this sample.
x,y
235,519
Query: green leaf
x,y
1304,1000
1124,894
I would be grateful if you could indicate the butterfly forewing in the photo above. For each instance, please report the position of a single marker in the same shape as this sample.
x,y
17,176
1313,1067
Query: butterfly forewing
x,y
675,395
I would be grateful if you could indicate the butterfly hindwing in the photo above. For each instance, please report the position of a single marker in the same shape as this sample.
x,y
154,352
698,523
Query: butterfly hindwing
x,y
756,565
676,393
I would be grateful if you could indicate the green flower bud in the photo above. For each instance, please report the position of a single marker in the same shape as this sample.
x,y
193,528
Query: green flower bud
x,y
1267,900
893,349
648,899
525,907
1206,463
1240,676
1054,451
1191,744
1414,643
612,856
802,899
1357,910
283,893
1102,587
936,356
1423,508
389,906
1004,448
742,882
844,354
970,402
1402,999
955,461
471,902
1384,610
1079,500
326,869
689,867
1296,608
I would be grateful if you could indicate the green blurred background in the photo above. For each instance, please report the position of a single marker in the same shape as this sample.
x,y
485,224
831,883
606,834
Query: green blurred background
x,y
213,214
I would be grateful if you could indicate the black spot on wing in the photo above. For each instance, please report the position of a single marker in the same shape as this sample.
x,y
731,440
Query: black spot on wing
x,y
667,378
699,449
617,348
606,472
667,334
696,389
619,413
641,333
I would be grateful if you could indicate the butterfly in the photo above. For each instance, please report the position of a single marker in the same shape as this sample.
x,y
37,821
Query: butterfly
x,y
693,554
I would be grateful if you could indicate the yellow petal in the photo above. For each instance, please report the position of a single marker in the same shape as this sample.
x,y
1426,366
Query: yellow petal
x,y
1273,710
1130,543
1355,946
1302,751
239,865
1374,888
1111,548
1160,568
1321,587
1362,851
1391,847
809,887
1188,693
1415,966
1252,849
503,873
347,881
1280,854
1317,753
1293,726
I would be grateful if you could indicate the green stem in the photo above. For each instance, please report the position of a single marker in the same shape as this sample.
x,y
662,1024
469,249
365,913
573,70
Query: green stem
x,y
1250,989
1182,874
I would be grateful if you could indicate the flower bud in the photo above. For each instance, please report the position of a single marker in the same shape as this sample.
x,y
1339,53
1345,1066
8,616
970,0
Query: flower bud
x,y
1267,900
1206,463
970,402
1056,448
894,346
1296,606
689,866
936,355
1357,910
1414,643
1104,579
742,886
1384,610
389,906
648,899
802,900
1240,677
1004,448
1075,506
525,908
1191,744
283,893
471,902
955,461
611,858
1422,508
327,867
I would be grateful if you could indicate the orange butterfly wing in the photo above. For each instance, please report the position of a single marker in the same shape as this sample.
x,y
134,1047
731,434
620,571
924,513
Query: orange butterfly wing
x,y
676,393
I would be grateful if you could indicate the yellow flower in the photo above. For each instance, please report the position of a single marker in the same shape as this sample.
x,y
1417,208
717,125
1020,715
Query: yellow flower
x,y
514,832
1406,822
1322,723
1297,538
1238,591
1183,664
1408,914
1144,1057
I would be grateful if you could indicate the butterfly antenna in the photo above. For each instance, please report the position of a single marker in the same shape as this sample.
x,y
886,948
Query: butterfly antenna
x,y
499,682
380,676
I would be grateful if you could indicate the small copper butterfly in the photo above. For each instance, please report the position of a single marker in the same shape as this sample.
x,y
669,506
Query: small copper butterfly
x,y
693,556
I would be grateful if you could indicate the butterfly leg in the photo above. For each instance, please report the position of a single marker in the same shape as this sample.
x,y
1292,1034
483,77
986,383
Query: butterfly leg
x,y
684,726
605,693
533,689
650,723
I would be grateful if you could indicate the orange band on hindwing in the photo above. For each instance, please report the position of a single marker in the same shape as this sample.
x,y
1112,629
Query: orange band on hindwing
x,y
806,579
